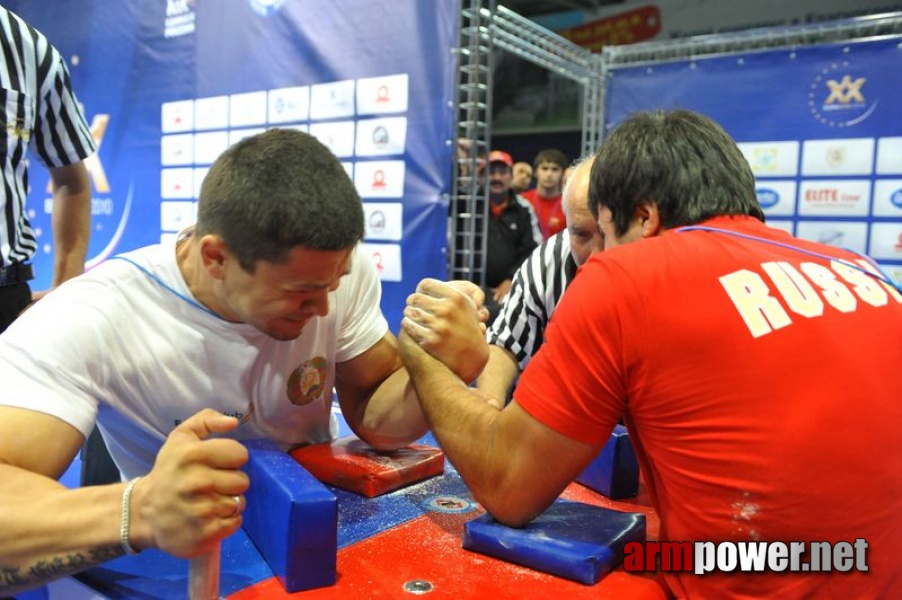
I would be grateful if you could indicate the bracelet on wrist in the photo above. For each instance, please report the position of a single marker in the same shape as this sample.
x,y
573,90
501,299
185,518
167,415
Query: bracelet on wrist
x,y
125,523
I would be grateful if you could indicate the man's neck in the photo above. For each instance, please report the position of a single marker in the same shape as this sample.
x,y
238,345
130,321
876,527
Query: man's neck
x,y
197,279
548,193
499,200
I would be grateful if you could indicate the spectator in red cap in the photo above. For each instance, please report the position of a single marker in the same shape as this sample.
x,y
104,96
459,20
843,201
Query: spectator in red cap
x,y
513,231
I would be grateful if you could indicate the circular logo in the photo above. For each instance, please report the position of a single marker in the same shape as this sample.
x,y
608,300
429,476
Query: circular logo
x,y
896,198
839,97
449,504
767,197
307,382
377,221
380,136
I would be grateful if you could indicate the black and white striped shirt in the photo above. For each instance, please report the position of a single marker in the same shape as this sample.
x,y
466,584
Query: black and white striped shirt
x,y
40,113
536,290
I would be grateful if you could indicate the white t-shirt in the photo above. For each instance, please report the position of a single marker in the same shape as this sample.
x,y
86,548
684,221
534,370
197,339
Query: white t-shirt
x,y
118,345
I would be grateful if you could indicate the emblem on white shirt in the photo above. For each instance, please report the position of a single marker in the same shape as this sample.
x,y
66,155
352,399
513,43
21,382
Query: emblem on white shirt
x,y
307,381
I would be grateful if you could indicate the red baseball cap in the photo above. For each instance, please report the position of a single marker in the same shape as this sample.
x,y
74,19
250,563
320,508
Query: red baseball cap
x,y
502,157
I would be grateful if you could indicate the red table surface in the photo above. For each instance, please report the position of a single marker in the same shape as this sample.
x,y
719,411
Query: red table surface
x,y
429,548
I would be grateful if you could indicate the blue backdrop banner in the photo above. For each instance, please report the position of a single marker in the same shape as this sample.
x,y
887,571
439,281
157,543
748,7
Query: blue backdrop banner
x,y
819,125
167,85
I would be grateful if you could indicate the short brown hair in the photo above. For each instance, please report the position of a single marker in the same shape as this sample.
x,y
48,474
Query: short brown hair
x,y
551,155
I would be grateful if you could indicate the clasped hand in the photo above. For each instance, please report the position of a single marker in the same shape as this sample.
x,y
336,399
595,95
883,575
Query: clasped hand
x,y
447,320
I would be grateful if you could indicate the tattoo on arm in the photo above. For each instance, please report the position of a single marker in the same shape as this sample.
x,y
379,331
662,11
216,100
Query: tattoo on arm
x,y
50,569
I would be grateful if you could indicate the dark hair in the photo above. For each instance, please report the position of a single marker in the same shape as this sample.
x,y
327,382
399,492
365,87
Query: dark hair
x,y
276,191
550,155
682,161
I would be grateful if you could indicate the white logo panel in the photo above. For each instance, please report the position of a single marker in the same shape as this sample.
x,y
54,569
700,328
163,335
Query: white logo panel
x,y
380,137
289,104
772,159
247,109
838,157
387,258
888,198
379,179
177,183
337,137
211,113
842,234
177,116
332,100
886,241
177,149
835,197
889,156
777,197
209,145
175,216
382,94
383,221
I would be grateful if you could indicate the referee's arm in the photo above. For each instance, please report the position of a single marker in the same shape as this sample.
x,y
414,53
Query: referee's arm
x,y
63,140
71,220
519,329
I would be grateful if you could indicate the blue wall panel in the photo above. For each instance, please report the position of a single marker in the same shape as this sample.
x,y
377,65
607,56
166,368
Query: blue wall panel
x,y
820,125
168,84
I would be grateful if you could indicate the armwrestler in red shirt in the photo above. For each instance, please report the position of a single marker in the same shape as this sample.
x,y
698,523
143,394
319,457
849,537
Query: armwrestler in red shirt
x,y
758,373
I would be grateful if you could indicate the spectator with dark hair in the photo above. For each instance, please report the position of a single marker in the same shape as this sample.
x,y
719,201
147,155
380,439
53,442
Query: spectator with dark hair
x,y
545,198
757,373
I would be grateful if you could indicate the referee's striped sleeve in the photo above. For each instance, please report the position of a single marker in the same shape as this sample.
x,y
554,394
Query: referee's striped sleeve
x,y
41,114
63,136
33,68
536,290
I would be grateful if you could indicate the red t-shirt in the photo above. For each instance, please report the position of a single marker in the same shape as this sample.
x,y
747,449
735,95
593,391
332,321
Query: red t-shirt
x,y
549,212
762,390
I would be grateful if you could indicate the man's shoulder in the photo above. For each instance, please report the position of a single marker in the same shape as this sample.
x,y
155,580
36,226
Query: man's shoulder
x,y
555,250
522,204
163,253
550,261
28,39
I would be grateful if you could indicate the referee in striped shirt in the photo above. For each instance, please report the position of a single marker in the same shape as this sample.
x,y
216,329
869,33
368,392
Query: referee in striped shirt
x,y
40,114
539,283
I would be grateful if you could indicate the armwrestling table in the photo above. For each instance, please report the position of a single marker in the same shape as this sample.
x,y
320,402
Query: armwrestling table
x,y
402,544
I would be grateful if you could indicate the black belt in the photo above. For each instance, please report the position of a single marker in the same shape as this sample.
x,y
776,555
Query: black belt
x,y
17,273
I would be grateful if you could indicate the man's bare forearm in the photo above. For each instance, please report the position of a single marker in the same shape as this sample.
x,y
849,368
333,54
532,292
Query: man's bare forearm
x,y
71,221
461,419
20,577
51,532
499,375
391,418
